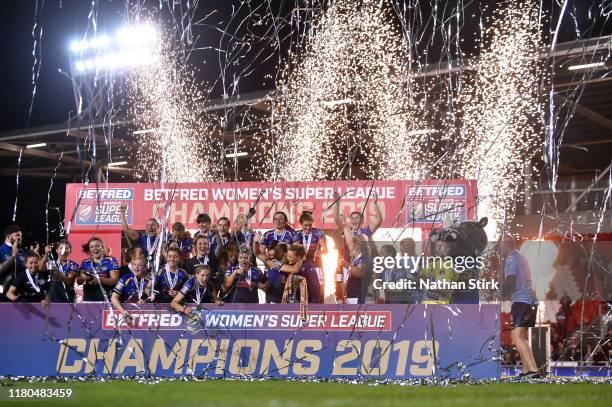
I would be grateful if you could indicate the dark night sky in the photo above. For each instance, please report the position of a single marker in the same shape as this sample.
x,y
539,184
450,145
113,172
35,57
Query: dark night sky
x,y
63,20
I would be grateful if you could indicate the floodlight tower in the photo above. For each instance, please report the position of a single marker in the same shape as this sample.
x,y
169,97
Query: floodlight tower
x,y
97,64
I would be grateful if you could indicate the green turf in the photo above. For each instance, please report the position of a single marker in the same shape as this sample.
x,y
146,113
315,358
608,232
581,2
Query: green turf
x,y
297,394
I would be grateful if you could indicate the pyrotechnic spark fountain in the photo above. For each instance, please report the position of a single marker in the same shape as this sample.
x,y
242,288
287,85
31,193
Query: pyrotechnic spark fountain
x,y
502,111
348,96
165,96
330,263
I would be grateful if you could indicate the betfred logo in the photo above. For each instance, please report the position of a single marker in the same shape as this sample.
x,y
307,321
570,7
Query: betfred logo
x,y
142,320
441,191
101,207
110,193
432,203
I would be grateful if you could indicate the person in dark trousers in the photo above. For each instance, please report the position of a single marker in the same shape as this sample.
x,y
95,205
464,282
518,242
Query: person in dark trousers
x,y
518,286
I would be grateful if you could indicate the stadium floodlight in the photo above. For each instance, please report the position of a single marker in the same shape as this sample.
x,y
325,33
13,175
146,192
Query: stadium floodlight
x,y
238,154
36,145
585,66
130,47
117,164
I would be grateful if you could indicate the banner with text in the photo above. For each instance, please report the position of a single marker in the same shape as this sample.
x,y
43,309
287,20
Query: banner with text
x,y
388,341
417,204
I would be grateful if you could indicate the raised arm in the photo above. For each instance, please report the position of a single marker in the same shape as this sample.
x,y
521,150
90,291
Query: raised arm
x,y
42,264
130,233
378,216
336,211
240,221
257,251
219,247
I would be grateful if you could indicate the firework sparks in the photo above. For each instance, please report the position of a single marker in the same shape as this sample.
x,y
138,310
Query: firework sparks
x,y
502,111
179,147
346,101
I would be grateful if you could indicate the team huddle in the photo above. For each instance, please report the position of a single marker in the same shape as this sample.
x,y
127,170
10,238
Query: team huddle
x,y
218,264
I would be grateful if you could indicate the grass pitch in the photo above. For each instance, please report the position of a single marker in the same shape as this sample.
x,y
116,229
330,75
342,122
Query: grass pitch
x,y
219,393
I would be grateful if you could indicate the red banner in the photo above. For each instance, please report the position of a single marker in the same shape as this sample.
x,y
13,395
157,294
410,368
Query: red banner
x,y
95,208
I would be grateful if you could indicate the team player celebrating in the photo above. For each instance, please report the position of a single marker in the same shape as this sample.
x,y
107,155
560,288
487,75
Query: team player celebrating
x,y
149,241
281,232
63,271
99,273
201,255
29,286
242,281
314,242
133,287
355,289
182,241
197,290
273,260
170,278
221,237
311,238
296,256
203,221
355,224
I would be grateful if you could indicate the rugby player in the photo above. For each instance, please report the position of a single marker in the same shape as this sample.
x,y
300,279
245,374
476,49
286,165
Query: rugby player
x,y
203,221
296,256
99,273
29,286
132,252
355,225
133,287
12,257
149,241
63,271
201,256
281,232
314,242
170,277
311,238
242,281
355,290
197,290
181,240
221,237
273,260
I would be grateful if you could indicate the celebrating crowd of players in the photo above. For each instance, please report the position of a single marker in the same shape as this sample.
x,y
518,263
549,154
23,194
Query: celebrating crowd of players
x,y
217,264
